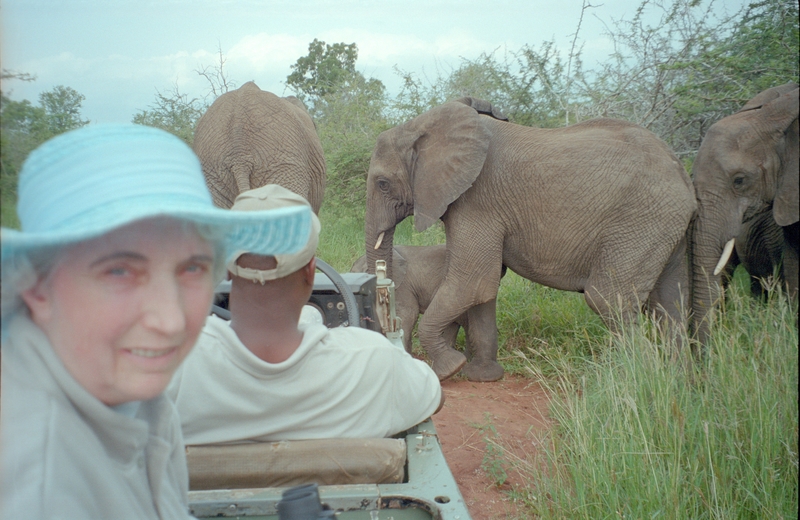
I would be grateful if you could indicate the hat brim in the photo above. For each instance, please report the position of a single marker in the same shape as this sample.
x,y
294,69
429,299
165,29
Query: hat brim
x,y
270,232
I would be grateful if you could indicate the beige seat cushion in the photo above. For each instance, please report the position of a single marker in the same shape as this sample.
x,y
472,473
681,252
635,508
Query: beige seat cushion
x,y
290,463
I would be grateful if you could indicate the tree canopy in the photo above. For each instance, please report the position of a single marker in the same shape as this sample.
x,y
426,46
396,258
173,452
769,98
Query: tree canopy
x,y
324,70
24,126
176,113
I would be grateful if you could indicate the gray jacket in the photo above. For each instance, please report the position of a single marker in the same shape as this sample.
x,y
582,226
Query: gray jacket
x,y
64,454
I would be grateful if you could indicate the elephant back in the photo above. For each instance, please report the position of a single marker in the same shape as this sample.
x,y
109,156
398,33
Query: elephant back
x,y
483,107
249,137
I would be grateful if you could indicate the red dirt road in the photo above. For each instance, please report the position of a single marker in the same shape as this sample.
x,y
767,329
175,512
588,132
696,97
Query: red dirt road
x,y
516,409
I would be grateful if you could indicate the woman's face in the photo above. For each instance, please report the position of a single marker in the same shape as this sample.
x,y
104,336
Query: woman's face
x,y
123,310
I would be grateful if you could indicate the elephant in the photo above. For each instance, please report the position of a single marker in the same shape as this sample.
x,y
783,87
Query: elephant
x,y
764,248
418,272
746,180
600,207
249,137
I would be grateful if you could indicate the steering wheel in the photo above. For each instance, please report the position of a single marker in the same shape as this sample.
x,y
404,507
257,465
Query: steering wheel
x,y
353,318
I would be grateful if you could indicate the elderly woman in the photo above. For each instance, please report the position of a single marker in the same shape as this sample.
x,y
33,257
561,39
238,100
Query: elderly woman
x,y
104,292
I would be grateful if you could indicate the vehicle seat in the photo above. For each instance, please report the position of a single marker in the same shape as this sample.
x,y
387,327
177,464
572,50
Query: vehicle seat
x,y
291,463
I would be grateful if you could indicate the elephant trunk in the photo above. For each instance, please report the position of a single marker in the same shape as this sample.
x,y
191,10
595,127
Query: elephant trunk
x,y
707,238
379,247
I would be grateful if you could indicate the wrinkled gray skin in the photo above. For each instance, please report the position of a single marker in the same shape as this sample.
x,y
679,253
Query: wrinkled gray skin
x,y
249,137
764,248
600,207
746,179
418,272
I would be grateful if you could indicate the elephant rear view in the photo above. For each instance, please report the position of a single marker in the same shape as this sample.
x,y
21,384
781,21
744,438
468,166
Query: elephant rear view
x,y
249,137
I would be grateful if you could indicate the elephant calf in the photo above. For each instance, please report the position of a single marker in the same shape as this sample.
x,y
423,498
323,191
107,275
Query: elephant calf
x,y
418,272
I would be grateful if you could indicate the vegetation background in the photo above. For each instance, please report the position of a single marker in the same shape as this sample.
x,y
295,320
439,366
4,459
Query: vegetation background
x,y
636,437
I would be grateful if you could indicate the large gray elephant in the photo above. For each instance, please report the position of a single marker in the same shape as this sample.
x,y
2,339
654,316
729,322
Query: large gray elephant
x,y
249,137
746,179
418,271
601,207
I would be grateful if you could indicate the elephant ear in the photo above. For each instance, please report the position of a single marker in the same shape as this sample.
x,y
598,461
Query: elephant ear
x,y
784,112
448,155
786,207
399,267
483,107
768,95
296,102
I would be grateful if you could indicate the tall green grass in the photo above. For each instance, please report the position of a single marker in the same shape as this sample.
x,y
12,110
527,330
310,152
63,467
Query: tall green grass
x,y
552,328
639,436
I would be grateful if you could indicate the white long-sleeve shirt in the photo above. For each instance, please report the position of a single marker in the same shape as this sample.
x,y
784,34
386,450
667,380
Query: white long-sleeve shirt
x,y
344,382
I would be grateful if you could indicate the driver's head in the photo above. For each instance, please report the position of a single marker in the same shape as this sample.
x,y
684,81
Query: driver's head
x,y
260,268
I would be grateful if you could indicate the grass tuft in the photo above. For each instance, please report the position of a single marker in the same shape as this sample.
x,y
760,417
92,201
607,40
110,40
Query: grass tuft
x,y
638,436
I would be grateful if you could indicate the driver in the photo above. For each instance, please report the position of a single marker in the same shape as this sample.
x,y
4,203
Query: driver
x,y
266,376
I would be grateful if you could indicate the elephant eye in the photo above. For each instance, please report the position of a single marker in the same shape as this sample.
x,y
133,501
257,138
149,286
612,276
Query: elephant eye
x,y
383,185
738,182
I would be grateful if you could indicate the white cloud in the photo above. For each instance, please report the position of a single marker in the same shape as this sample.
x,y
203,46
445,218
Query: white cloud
x,y
378,49
58,65
460,44
264,51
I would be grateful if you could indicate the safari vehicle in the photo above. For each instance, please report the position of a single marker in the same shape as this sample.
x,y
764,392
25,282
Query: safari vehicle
x,y
405,477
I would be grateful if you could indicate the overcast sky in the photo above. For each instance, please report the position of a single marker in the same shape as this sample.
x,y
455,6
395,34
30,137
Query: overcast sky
x,y
117,53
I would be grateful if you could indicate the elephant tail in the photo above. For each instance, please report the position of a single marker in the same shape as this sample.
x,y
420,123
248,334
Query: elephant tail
x,y
241,173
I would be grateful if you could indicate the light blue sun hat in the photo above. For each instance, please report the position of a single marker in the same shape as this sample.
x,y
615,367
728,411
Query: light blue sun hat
x,y
87,182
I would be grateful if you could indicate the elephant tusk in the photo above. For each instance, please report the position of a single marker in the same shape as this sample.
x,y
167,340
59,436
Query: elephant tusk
x,y
726,255
380,240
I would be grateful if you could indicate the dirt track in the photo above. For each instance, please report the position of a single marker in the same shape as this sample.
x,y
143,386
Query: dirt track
x,y
516,409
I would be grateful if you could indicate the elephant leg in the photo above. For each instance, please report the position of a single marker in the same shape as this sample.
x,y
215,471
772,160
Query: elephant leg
x,y
617,297
220,185
473,277
629,276
450,335
669,297
446,361
790,258
617,308
481,331
757,288
408,311
463,323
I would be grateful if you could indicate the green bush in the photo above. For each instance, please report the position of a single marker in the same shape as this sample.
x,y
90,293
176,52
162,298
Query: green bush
x,y
23,127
